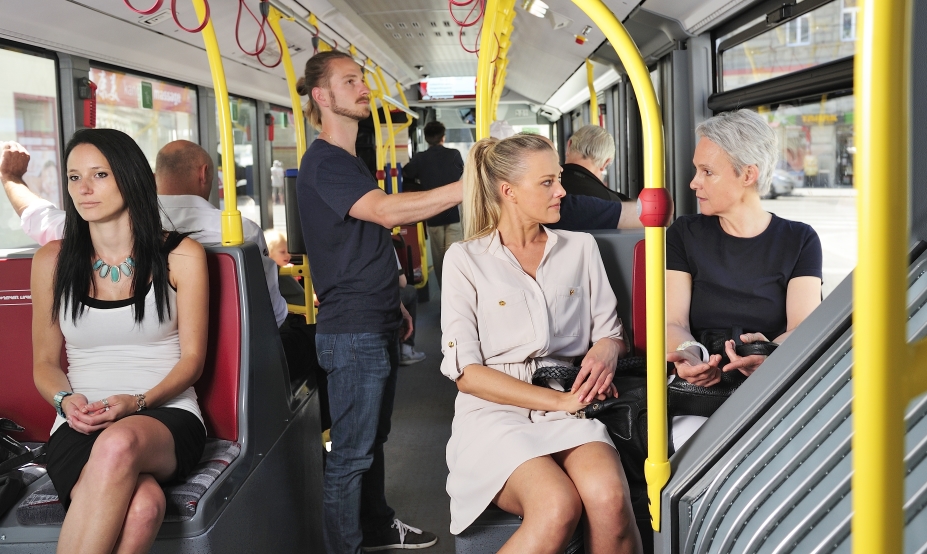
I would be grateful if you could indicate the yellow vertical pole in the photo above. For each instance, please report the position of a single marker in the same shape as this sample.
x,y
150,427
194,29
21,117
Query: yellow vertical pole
x,y
231,218
377,132
484,69
300,127
657,467
593,98
402,98
881,352
388,119
300,122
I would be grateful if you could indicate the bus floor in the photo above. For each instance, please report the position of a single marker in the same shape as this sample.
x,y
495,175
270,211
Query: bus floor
x,y
416,470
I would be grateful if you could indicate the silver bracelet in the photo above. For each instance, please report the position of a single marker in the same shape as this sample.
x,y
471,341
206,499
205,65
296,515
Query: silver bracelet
x,y
701,347
140,402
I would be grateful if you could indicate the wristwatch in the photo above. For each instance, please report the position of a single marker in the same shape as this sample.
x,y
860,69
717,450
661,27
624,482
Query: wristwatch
x,y
60,398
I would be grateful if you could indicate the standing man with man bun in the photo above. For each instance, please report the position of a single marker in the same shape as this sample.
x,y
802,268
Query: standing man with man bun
x,y
346,222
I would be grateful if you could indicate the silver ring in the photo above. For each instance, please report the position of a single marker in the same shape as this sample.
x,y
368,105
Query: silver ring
x,y
105,403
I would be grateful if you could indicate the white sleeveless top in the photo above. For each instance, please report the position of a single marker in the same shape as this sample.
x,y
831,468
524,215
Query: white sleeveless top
x,y
109,353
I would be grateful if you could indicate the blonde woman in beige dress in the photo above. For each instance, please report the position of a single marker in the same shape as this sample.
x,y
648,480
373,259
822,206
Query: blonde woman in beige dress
x,y
518,296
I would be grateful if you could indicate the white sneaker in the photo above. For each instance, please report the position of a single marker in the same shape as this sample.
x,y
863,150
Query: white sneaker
x,y
409,356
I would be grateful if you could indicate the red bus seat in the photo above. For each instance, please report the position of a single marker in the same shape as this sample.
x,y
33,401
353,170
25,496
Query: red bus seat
x,y
639,300
217,389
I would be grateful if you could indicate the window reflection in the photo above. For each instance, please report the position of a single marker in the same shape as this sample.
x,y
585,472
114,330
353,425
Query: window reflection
x,y
150,111
244,125
820,36
29,116
284,156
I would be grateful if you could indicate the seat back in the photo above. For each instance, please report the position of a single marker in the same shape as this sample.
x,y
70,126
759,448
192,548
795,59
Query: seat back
x,y
19,399
217,389
622,254
639,300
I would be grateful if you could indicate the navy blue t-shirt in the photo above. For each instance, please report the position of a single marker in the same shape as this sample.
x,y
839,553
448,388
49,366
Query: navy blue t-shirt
x,y
587,213
741,281
352,262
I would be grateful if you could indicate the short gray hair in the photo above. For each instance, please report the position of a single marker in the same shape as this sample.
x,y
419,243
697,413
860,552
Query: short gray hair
x,y
747,139
593,143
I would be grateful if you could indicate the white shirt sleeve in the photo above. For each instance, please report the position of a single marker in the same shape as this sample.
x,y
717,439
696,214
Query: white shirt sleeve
x,y
43,222
460,340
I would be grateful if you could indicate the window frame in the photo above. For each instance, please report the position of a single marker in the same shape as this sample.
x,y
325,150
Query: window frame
x,y
831,78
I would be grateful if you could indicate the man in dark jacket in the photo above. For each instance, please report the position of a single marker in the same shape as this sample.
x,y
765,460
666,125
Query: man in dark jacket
x,y
589,151
428,170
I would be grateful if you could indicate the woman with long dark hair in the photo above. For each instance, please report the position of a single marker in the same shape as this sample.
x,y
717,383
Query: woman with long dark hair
x,y
129,301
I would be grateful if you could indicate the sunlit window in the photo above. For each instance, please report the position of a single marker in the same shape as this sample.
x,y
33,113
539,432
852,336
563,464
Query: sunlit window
x,y
29,115
151,111
817,37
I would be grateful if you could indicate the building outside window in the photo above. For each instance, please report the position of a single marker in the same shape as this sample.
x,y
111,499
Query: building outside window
x,y
29,116
151,111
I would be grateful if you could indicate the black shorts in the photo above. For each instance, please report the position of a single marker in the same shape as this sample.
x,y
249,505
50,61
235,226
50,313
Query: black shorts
x,y
69,450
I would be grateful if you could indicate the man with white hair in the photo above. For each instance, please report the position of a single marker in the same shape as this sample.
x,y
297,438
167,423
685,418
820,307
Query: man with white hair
x,y
589,151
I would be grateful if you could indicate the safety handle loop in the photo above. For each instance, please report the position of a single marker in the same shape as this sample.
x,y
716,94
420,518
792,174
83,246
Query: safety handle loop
x,y
179,24
149,11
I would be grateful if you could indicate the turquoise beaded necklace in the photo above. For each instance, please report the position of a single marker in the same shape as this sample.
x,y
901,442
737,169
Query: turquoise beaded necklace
x,y
114,271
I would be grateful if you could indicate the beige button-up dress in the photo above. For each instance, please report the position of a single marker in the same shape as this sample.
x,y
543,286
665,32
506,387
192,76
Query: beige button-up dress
x,y
495,314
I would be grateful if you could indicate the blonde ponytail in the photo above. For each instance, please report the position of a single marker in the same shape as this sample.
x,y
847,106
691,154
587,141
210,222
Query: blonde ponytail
x,y
489,163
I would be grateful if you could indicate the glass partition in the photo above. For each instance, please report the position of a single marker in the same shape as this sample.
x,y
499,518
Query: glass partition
x,y
283,156
822,35
29,116
152,112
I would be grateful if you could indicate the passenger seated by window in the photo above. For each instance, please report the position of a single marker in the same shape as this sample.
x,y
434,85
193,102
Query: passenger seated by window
x,y
735,264
517,296
129,301
277,250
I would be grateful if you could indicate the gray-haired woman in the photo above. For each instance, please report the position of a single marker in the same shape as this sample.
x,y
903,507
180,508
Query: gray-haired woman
x,y
735,264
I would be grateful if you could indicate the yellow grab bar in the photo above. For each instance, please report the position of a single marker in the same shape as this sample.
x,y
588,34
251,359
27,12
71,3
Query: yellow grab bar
x,y
657,467
377,132
231,218
882,358
593,98
300,127
390,132
484,69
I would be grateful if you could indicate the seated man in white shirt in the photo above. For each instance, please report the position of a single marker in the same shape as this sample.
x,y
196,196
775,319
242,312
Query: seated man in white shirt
x,y
184,174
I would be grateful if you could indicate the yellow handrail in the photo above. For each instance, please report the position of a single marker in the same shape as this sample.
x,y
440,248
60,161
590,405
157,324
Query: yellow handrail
x,y
377,132
593,99
657,467
882,358
300,127
484,69
390,131
231,218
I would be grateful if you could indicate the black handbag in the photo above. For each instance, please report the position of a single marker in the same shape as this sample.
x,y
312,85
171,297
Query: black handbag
x,y
13,456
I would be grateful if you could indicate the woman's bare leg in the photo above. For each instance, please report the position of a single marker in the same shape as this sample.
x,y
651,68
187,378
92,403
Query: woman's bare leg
x,y
144,517
596,472
541,493
100,500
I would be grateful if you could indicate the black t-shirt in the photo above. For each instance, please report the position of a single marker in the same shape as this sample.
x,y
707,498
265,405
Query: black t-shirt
x,y
576,179
741,281
352,262
587,213
433,168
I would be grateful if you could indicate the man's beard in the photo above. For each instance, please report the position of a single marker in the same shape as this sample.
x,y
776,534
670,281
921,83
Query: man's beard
x,y
360,114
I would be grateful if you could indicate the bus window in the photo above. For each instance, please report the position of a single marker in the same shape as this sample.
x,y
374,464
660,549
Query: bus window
x,y
814,177
822,35
29,115
283,150
244,125
151,111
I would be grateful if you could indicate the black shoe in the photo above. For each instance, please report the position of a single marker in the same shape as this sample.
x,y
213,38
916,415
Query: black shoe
x,y
400,536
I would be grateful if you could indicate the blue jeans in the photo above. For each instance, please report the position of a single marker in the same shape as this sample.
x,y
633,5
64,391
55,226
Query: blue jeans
x,y
362,370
